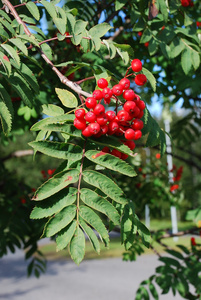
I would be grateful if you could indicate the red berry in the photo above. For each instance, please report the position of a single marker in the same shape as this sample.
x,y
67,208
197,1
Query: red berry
x,y
102,120
90,102
113,126
123,115
117,89
116,153
107,93
140,79
80,113
102,83
124,156
136,112
136,99
110,115
120,131
141,105
137,124
146,44
140,33
184,3
106,150
94,128
99,110
97,94
136,65
138,134
130,144
125,82
104,129
86,132
80,124
129,106
129,134
141,114
129,95
90,117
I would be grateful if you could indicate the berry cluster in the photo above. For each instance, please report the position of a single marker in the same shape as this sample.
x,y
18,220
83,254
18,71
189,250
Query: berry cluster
x,y
186,3
125,120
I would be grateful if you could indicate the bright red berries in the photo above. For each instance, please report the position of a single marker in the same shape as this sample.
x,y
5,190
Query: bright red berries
x,y
99,109
140,79
137,124
97,94
80,113
80,124
117,89
90,117
102,83
94,128
129,134
125,82
90,102
186,3
129,106
136,65
123,115
129,95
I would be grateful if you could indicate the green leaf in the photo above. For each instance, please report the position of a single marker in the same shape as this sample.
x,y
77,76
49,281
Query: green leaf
x,y
5,117
50,8
187,20
176,47
105,184
52,110
94,220
97,202
58,149
99,30
91,235
164,9
52,120
146,36
186,62
68,129
67,98
124,55
56,183
175,253
153,291
77,246
60,24
111,162
184,249
119,4
12,52
60,220
111,48
195,57
65,235
150,77
8,26
54,204
30,39
5,15
47,50
80,26
170,261
32,7
7,100
143,232
5,63
165,50
19,44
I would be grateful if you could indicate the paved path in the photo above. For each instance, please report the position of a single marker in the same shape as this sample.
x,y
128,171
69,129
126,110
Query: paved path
x,y
110,279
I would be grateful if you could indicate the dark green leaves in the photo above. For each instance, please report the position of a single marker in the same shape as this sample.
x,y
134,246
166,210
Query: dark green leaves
x,y
77,246
111,162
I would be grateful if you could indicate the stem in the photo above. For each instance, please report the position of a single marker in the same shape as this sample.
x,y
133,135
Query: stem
x,y
79,181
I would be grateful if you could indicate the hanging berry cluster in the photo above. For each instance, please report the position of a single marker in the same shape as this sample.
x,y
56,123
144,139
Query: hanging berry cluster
x,y
125,120
186,3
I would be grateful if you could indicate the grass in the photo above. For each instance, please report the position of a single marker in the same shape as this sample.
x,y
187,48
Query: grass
x,y
116,249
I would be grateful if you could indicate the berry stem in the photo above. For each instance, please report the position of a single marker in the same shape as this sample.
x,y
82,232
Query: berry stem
x,y
127,71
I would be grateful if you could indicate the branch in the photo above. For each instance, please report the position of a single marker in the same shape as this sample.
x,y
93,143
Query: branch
x,y
19,153
62,78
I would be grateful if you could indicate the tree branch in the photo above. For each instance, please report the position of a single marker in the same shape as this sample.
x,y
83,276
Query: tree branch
x,y
19,153
76,88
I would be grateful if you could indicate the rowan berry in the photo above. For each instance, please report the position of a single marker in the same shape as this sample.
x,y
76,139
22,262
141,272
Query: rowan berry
x,y
94,128
80,124
102,83
86,132
111,115
117,89
125,82
113,126
104,129
136,65
99,110
80,113
129,95
138,134
129,106
140,79
141,105
97,94
129,134
90,102
130,144
90,117
102,120
120,131
123,115
116,153
124,156
141,114
106,150
185,3
107,93
137,124
136,112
